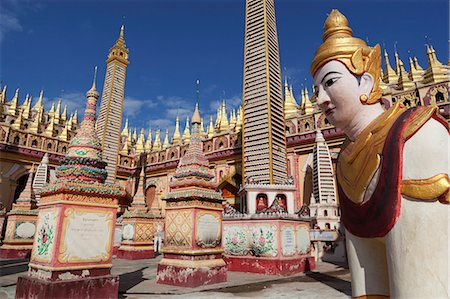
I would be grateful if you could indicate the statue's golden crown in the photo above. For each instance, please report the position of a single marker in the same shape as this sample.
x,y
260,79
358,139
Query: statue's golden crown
x,y
339,44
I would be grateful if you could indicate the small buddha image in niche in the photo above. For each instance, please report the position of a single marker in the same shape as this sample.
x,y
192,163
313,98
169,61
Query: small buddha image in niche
x,y
261,202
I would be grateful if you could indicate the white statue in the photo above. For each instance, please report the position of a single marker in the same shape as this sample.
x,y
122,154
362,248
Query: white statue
x,y
392,174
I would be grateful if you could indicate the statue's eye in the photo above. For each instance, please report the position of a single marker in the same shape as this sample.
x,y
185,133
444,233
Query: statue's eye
x,y
330,82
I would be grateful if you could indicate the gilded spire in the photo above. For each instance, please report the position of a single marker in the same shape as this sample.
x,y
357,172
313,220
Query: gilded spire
x,y
18,121
58,111
239,119
202,128
414,74
3,95
119,51
134,134
39,104
64,114
309,108
140,146
290,104
435,71
12,110
389,76
36,124
403,80
196,116
166,143
417,65
210,128
124,150
64,134
187,132
148,143
223,125
51,113
125,128
26,106
176,134
232,119
157,144
50,128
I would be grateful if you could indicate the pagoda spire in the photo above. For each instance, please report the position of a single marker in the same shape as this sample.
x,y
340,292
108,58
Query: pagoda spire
x,y
119,51
308,104
414,74
138,202
157,143
50,128
12,110
64,134
389,76
3,95
64,114
224,125
75,119
27,198
25,107
290,104
210,128
36,124
125,128
239,119
58,111
166,143
403,80
187,132
18,121
140,146
176,134
435,71
148,143
39,104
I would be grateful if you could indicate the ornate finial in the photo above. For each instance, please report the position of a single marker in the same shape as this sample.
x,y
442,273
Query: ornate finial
x,y
196,119
198,90
93,91
339,44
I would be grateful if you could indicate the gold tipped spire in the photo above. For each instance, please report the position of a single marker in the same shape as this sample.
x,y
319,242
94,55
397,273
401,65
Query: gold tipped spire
x,y
12,110
148,143
3,95
414,74
36,124
223,124
119,51
210,128
389,75
64,114
339,44
26,106
140,146
39,104
403,80
51,113
290,104
196,119
166,143
50,128
18,121
187,132
157,143
57,114
176,134
125,128
64,134
435,71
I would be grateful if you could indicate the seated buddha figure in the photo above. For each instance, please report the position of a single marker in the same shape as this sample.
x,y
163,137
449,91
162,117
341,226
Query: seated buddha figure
x,y
392,173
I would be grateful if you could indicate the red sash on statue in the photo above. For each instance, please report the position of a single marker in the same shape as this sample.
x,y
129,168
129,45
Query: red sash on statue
x,y
376,216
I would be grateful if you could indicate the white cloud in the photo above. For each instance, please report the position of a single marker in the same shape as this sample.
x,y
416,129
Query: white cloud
x,y
132,106
8,22
73,100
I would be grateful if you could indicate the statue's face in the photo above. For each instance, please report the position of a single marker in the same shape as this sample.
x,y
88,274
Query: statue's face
x,y
337,92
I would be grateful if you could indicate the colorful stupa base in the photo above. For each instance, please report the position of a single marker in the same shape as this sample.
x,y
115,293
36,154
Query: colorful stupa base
x,y
138,230
191,271
106,287
267,245
19,235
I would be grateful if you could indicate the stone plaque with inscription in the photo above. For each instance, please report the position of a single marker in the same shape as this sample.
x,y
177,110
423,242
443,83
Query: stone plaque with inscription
x,y
208,230
288,240
87,236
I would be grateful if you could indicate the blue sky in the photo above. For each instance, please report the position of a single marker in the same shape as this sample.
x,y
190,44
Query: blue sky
x,y
55,45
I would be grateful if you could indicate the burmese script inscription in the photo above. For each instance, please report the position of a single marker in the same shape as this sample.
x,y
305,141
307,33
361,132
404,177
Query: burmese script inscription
x,y
87,235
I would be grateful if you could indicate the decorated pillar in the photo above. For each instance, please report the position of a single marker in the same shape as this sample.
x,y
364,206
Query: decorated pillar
x,y
193,224
20,224
138,228
72,250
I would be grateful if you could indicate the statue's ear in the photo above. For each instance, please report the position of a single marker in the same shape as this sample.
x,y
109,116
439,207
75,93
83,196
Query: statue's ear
x,y
366,84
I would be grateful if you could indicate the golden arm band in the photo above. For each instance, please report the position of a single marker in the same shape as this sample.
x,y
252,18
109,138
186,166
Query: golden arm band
x,y
427,189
